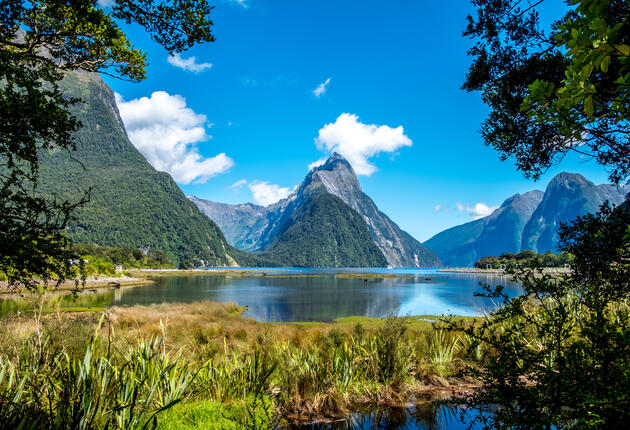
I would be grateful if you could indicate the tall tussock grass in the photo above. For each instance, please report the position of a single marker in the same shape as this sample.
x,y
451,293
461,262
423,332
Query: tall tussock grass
x,y
93,391
202,364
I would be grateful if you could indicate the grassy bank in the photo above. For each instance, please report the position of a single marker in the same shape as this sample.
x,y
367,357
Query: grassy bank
x,y
211,365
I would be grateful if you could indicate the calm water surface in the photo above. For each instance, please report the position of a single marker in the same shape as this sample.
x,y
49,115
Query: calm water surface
x,y
316,294
427,416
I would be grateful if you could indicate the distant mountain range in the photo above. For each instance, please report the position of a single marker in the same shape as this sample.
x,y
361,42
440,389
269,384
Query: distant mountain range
x,y
528,221
327,222
131,203
328,204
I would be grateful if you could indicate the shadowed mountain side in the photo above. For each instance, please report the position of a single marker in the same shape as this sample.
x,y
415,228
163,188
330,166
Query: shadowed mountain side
x,y
528,221
131,204
252,227
568,196
492,235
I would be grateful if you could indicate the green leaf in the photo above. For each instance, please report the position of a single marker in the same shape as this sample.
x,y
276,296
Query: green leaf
x,y
588,105
605,63
624,49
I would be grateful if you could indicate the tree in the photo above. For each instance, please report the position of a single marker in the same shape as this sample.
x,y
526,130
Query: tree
x,y
40,41
559,355
551,92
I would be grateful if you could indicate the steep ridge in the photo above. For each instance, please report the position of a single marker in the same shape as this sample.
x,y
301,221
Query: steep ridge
x,y
324,232
245,226
528,221
492,235
567,196
252,227
400,249
131,203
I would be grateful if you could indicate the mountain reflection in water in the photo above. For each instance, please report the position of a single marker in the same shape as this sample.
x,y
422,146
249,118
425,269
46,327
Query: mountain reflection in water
x,y
284,295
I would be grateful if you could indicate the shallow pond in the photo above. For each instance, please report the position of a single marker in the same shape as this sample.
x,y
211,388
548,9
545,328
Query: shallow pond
x,y
291,294
424,416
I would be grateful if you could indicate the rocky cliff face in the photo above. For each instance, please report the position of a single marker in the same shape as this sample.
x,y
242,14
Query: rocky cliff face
x,y
131,204
400,249
528,221
567,196
252,227
499,232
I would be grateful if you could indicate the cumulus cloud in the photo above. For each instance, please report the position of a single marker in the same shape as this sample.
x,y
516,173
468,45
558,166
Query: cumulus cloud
x,y
358,142
265,193
190,64
167,132
317,163
237,185
479,210
321,88
437,208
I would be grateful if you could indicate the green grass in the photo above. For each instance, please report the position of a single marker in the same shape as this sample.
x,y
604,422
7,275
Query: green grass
x,y
416,322
213,415
246,373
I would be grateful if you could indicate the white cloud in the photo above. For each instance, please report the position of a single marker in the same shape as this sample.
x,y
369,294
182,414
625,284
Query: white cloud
x,y
190,64
321,88
317,163
105,3
265,193
167,132
437,208
237,185
479,210
240,2
358,142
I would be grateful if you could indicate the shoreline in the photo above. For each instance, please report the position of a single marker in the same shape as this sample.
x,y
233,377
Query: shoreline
x,y
91,283
475,270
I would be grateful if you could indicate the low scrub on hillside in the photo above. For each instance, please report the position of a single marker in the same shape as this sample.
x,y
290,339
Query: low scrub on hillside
x,y
525,258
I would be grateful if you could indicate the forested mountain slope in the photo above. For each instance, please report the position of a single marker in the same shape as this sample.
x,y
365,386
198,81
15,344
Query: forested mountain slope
x,y
258,228
131,204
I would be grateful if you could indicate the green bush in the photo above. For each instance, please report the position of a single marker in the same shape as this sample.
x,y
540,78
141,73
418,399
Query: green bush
x,y
523,259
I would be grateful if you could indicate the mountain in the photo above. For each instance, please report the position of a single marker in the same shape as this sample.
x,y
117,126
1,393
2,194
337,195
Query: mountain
x,y
400,249
258,228
322,231
131,204
245,226
311,228
568,196
499,232
527,221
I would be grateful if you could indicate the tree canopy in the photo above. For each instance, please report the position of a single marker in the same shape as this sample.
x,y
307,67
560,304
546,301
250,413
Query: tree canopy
x,y
558,356
39,42
551,91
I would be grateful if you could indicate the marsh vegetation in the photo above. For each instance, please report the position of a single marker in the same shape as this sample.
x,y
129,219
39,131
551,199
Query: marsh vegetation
x,y
199,364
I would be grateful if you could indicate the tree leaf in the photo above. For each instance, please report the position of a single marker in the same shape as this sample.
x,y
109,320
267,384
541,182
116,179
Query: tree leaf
x,y
588,106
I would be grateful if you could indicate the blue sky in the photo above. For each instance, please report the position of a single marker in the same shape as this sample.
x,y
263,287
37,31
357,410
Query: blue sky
x,y
247,112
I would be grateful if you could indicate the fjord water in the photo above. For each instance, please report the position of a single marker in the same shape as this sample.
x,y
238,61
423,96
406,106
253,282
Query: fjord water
x,y
297,294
